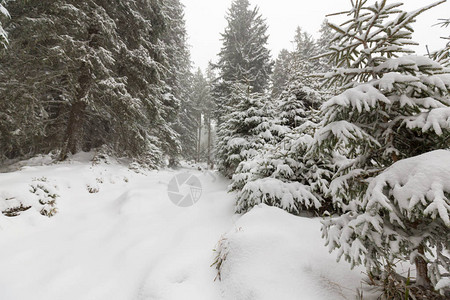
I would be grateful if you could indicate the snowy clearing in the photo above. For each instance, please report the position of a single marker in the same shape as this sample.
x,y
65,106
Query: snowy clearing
x,y
129,241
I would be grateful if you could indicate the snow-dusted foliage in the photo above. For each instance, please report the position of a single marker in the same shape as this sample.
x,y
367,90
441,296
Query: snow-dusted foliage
x,y
404,214
244,57
443,55
42,196
391,107
296,103
3,34
291,196
283,175
107,72
294,72
249,126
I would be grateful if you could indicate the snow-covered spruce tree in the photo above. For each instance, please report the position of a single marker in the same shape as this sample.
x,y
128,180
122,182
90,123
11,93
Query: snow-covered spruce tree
x,y
281,174
302,92
297,102
390,108
100,77
305,48
403,215
179,76
293,67
244,57
280,75
247,128
323,44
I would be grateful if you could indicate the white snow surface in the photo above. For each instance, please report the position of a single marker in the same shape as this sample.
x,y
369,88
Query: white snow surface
x,y
275,255
129,241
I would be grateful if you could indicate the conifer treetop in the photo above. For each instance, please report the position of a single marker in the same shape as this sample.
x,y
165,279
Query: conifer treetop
x,y
371,35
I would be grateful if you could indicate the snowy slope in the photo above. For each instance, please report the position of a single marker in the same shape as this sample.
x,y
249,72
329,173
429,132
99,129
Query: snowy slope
x,y
129,241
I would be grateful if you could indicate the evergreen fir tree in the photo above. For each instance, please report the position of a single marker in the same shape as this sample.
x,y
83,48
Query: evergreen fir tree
x,y
302,91
179,77
245,130
323,44
101,77
244,57
390,108
281,174
280,76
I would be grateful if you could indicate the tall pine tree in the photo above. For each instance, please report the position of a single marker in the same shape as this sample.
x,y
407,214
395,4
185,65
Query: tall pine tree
x,y
244,57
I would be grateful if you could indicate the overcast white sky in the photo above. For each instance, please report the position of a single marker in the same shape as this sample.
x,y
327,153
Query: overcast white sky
x,y
205,20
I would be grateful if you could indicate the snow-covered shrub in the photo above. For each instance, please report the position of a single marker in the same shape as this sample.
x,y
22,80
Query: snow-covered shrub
x,y
102,155
41,196
390,108
404,214
46,194
221,250
13,210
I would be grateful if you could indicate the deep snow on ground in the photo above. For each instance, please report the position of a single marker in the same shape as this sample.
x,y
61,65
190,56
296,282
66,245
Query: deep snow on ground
x,y
275,255
129,241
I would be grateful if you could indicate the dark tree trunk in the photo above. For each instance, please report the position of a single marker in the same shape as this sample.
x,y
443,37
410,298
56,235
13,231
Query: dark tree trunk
x,y
74,126
77,115
199,137
209,143
422,269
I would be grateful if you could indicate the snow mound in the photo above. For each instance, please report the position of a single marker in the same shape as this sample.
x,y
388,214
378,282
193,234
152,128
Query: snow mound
x,y
272,254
